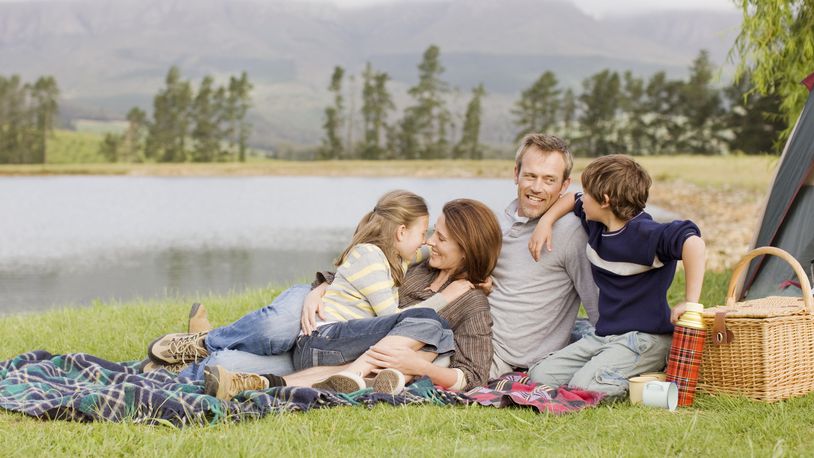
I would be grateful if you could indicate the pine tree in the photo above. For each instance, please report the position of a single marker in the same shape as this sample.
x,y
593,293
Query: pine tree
x,y
243,89
568,113
168,132
663,102
376,103
536,110
110,146
132,141
469,145
635,114
429,118
701,105
600,101
332,143
44,96
205,129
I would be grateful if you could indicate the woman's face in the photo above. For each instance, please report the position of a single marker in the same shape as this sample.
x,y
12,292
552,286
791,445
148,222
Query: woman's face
x,y
446,254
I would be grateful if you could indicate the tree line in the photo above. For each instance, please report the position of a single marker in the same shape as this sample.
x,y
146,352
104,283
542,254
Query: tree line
x,y
425,130
187,126
623,113
28,113
614,113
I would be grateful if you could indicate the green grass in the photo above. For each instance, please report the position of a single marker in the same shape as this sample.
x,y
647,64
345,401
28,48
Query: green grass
x,y
724,426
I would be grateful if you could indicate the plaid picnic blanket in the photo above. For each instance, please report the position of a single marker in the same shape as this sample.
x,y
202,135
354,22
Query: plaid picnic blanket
x,y
515,389
83,387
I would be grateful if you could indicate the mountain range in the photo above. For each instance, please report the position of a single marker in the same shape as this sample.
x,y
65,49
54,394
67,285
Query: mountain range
x,y
109,55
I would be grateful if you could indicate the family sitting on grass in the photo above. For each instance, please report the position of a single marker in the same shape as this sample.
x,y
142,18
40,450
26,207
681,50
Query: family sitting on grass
x,y
470,304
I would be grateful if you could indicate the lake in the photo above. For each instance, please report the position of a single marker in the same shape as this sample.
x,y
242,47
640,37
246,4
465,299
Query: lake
x,y
71,240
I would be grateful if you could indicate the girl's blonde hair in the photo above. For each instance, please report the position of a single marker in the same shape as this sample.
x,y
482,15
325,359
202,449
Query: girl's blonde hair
x,y
379,227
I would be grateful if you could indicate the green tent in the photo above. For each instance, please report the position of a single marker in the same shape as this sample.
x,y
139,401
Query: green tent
x,y
788,218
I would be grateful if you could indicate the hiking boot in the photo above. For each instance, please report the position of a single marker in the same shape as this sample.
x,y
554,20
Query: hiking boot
x,y
148,365
178,348
389,381
198,320
225,384
342,382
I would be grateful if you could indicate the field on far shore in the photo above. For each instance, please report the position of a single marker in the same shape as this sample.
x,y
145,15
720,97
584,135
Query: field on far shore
x,y
722,194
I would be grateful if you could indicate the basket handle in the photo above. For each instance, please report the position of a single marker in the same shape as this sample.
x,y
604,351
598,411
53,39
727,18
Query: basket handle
x,y
805,285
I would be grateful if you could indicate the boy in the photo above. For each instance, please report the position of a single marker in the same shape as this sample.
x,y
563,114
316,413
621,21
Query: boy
x,y
633,260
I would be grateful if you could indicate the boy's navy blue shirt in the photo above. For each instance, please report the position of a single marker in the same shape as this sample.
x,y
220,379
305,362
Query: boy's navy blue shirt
x,y
633,268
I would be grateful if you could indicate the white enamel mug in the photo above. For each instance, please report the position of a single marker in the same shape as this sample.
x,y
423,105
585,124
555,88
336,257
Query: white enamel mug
x,y
663,395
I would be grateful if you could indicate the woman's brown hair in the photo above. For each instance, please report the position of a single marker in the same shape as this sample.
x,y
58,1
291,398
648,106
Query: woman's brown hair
x,y
474,227
379,227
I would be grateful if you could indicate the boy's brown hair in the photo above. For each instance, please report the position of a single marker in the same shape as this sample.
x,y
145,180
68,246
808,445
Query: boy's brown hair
x,y
623,180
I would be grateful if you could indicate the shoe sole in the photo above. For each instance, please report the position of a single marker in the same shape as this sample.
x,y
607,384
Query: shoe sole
x,y
211,381
340,383
388,382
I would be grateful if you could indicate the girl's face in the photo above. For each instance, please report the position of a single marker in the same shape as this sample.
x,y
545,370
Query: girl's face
x,y
410,238
446,254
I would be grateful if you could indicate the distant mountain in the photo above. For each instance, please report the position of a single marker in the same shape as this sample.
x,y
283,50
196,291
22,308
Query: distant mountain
x,y
109,55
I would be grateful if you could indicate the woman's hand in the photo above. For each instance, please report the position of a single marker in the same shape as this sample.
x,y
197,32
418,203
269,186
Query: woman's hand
x,y
457,289
486,286
311,307
403,359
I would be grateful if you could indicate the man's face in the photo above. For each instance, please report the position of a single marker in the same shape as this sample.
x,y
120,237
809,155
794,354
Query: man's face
x,y
539,181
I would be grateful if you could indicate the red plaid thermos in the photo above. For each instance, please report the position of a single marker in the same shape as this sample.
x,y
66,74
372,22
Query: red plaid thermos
x,y
684,360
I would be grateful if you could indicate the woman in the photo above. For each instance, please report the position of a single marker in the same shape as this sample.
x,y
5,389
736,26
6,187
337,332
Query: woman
x,y
465,245
386,243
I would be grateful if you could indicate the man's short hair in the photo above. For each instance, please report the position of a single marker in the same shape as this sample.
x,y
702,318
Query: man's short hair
x,y
623,180
547,144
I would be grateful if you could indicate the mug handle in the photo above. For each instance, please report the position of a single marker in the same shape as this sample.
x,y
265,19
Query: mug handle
x,y
655,383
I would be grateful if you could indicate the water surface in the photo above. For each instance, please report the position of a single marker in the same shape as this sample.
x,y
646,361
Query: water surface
x,y
71,240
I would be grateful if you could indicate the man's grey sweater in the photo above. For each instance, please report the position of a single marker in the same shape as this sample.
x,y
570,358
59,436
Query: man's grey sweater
x,y
534,304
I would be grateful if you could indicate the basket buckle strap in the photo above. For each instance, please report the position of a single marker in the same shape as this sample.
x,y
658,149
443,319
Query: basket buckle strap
x,y
720,334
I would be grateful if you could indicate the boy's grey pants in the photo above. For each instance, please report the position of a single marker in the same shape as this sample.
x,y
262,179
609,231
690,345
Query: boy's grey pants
x,y
603,364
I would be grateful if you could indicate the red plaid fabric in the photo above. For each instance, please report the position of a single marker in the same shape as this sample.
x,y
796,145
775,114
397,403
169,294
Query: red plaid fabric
x,y
516,389
684,362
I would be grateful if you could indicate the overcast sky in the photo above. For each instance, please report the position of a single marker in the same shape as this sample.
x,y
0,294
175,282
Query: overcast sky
x,y
597,8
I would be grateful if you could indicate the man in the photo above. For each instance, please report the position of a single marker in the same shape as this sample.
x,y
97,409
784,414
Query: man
x,y
534,304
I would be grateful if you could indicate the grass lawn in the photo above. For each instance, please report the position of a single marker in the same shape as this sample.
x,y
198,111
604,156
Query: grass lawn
x,y
721,425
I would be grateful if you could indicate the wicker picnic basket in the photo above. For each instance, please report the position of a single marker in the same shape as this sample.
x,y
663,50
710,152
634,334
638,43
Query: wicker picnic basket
x,y
763,348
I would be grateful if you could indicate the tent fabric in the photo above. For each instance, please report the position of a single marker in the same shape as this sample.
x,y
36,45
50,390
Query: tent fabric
x,y
788,219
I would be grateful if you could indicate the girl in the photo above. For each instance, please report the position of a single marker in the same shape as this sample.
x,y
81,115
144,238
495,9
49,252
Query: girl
x,y
387,240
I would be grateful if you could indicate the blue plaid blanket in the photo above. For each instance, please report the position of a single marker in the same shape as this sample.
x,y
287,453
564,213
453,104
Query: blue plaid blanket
x,y
83,387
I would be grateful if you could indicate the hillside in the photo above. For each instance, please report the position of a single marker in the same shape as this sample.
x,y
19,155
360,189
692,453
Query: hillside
x,y
109,55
